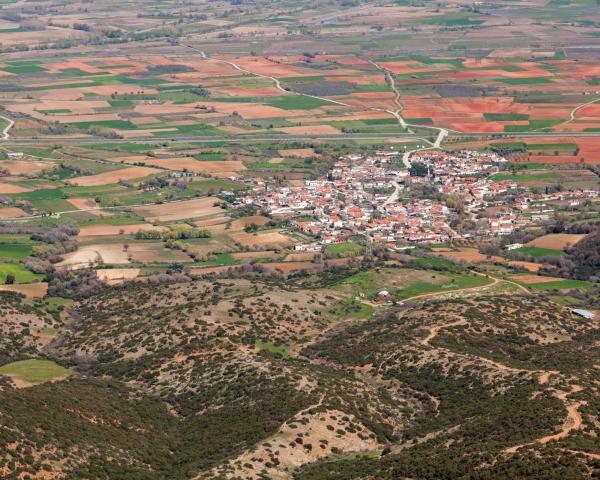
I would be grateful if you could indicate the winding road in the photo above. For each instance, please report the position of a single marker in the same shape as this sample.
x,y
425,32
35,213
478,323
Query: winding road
x,y
11,123
441,132
276,81
572,115
573,421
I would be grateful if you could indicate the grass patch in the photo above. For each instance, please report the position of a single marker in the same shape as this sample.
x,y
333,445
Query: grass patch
x,y
15,251
54,111
123,147
351,309
423,120
510,146
52,304
455,282
348,249
211,156
561,285
25,68
117,124
505,117
552,146
363,282
35,371
449,20
19,272
527,81
435,263
282,350
533,125
537,252
120,103
282,20
298,102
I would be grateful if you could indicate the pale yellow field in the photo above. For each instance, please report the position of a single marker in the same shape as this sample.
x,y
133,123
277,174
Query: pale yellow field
x,y
114,276
534,279
168,212
298,152
10,188
102,230
271,238
114,176
556,241
30,290
113,253
12,212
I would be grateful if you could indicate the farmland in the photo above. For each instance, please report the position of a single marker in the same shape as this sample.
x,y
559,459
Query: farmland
x,y
282,240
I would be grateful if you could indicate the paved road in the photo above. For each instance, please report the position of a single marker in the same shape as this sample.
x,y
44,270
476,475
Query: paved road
x,y
32,141
443,133
208,139
392,82
267,77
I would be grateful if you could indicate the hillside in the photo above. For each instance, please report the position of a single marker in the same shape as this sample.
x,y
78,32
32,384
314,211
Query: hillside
x,y
251,378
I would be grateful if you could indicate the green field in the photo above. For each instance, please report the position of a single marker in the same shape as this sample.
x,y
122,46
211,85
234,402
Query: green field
x,y
460,19
211,156
517,177
552,146
405,283
117,124
348,249
537,252
16,247
124,147
505,117
53,303
561,285
282,350
120,103
533,125
509,145
298,102
35,371
21,274
527,81
54,111
435,263
15,251
24,68
457,282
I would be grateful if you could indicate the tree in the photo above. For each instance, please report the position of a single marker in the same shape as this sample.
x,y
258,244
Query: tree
x,y
419,169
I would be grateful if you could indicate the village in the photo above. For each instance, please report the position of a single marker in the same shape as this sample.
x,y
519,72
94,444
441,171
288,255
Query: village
x,y
443,197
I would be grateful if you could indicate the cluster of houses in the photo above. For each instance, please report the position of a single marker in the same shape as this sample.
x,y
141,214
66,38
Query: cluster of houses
x,y
373,195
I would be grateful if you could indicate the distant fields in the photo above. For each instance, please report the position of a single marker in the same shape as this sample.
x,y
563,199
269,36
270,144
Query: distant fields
x,y
143,100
